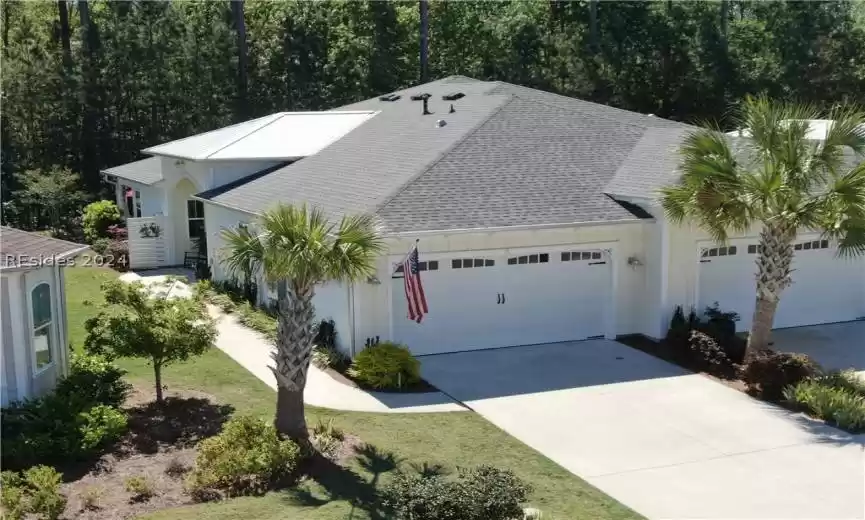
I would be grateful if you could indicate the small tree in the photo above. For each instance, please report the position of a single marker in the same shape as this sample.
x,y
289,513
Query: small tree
x,y
152,325
98,217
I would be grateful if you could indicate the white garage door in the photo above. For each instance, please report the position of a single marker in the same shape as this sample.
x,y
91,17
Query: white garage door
x,y
498,300
825,288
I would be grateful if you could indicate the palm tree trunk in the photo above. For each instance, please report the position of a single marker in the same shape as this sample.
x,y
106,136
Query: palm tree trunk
x,y
774,262
295,335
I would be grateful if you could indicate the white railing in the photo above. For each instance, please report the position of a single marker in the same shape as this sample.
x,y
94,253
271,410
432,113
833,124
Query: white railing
x,y
148,242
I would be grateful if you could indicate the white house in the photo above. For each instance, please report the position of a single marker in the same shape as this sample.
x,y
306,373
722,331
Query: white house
x,y
536,216
33,312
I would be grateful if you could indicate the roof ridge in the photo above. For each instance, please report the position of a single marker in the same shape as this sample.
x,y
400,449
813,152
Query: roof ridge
x,y
443,154
572,99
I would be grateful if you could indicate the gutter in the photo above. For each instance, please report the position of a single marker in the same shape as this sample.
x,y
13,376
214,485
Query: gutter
x,y
408,234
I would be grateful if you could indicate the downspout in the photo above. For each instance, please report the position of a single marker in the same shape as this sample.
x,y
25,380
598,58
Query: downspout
x,y
352,325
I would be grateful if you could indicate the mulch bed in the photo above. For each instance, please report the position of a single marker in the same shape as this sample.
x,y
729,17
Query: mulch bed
x,y
341,375
161,447
661,350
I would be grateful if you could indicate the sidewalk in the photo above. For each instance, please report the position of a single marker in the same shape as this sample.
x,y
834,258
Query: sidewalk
x,y
252,351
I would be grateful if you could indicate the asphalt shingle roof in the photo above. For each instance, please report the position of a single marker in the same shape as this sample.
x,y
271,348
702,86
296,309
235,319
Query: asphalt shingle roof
x,y
23,249
508,156
146,171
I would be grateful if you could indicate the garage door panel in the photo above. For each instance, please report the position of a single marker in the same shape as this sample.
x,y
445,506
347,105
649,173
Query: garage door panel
x,y
532,297
824,289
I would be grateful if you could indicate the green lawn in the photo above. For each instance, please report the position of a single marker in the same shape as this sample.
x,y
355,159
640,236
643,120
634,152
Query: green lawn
x,y
402,440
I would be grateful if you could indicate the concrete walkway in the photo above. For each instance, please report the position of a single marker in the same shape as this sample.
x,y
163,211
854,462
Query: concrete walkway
x,y
252,351
668,443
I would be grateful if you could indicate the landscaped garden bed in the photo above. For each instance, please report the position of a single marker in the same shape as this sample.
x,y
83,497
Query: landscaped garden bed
x,y
708,344
375,446
383,367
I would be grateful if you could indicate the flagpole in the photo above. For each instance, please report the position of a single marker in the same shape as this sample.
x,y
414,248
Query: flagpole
x,y
412,248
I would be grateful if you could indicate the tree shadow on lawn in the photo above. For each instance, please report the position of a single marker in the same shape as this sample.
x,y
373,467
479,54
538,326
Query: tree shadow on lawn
x,y
341,483
180,422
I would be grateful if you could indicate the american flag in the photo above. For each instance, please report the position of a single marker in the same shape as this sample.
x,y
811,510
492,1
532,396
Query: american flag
x,y
413,287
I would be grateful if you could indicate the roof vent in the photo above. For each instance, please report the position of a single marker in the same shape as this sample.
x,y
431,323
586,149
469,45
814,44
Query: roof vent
x,y
453,96
440,123
452,110
389,97
421,97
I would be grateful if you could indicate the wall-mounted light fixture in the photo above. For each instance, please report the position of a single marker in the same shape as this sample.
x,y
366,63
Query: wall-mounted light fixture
x,y
634,262
373,280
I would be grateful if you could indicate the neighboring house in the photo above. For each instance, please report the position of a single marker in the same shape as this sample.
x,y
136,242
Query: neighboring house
x,y
33,305
537,217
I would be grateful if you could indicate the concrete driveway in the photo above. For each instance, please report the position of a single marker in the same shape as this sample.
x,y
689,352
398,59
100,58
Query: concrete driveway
x,y
667,443
835,346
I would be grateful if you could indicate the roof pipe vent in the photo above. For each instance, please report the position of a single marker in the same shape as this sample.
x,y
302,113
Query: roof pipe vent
x,y
452,110
426,111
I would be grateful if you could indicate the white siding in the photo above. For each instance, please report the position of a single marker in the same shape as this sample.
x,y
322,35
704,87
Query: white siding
x,y
18,358
217,218
225,172
150,252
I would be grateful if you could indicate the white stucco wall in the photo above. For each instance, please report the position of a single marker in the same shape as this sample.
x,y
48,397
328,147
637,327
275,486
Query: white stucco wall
x,y
21,379
331,300
210,174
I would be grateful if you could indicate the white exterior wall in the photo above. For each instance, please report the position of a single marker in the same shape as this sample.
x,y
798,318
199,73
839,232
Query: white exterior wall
x,y
372,301
331,300
21,380
209,174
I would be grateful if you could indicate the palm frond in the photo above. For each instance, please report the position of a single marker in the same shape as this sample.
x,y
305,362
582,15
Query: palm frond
x,y
355,248
243,253
839,212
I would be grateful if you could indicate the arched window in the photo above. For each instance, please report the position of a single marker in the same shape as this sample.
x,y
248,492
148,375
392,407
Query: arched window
x,y
40,300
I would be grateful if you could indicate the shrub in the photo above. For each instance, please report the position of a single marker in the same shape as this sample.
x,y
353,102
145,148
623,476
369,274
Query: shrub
x,y
329,357
90,498
140,487
769,373
257,320
416,497
482,493
98,217
222,301
247,457
327,438
36,493
94,379
386,365
492,493
44,492
837,405
117,254
708,354
100,425
68,424
847,379
100,245
12,497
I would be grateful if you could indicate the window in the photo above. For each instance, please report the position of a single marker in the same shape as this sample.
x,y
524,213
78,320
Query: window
x,y
575,256
432,265
466,263
722,251
537,258
812,244
41,312
195,215
132,199
754,248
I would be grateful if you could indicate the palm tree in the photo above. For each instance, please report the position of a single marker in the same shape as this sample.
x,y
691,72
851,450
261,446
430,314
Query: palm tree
x,y
776,178
297,248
